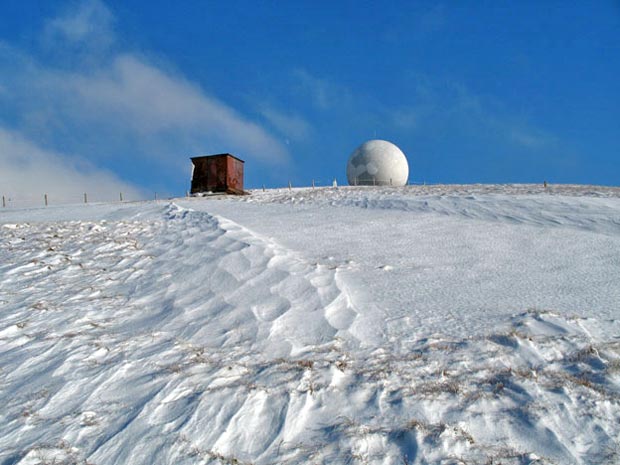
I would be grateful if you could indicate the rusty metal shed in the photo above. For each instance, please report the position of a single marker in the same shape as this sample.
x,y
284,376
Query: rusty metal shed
x,y
217,173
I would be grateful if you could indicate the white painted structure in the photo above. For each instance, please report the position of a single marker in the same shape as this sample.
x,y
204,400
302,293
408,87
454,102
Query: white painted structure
x,y
377,162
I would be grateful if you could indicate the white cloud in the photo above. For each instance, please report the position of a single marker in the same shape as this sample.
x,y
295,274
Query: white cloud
x,y
90,22
135,94
29,171
453,104
323,93
290,125
139,101
531,138
80,95
405,118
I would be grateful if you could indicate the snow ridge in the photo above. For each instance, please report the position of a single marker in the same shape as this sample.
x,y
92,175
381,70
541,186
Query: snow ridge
x,y
165,319
154,334
557,208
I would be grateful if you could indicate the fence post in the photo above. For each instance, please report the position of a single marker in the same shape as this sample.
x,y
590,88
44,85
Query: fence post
x,y
290,186
45,197
3,202
85,198
120,195
313,184
263,188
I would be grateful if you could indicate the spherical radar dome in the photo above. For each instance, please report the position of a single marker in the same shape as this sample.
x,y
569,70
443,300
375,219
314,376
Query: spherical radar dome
x,y
377,162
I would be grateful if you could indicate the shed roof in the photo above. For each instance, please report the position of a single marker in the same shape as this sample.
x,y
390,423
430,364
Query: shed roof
x,y
217,155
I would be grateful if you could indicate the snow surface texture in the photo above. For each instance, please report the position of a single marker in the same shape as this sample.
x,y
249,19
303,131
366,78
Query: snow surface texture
x,y
443,324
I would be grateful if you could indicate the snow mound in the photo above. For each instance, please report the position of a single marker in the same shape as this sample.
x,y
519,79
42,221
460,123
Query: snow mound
x,y
276,329
581,207
114,332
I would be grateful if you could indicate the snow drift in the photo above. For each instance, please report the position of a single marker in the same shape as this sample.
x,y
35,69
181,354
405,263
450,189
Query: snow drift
x,y
446,325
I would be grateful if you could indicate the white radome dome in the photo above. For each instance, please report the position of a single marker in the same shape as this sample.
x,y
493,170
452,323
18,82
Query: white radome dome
x,y
377,162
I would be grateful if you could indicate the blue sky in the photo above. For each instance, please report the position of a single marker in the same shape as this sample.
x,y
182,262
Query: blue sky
x,y
117,95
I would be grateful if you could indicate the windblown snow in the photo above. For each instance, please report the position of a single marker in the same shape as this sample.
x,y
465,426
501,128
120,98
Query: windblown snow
x,y
415,325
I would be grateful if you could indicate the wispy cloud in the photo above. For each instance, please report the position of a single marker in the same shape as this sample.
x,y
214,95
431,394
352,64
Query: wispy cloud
x,y
449,103
90,22
324,93
290,125
29,171
432,105
404,118
138,95
115,103
532,138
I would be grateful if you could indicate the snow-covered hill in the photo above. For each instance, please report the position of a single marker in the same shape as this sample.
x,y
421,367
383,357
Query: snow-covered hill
x,y
430,324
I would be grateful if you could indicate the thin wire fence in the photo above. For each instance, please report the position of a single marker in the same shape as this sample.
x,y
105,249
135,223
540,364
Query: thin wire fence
x,y
43,200
9,201
48,200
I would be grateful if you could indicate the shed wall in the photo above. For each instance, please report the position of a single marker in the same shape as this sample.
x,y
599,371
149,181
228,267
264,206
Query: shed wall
x,y
217,173
235,175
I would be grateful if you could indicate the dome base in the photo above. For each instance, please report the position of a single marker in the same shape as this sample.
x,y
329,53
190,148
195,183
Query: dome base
x,y
372,182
